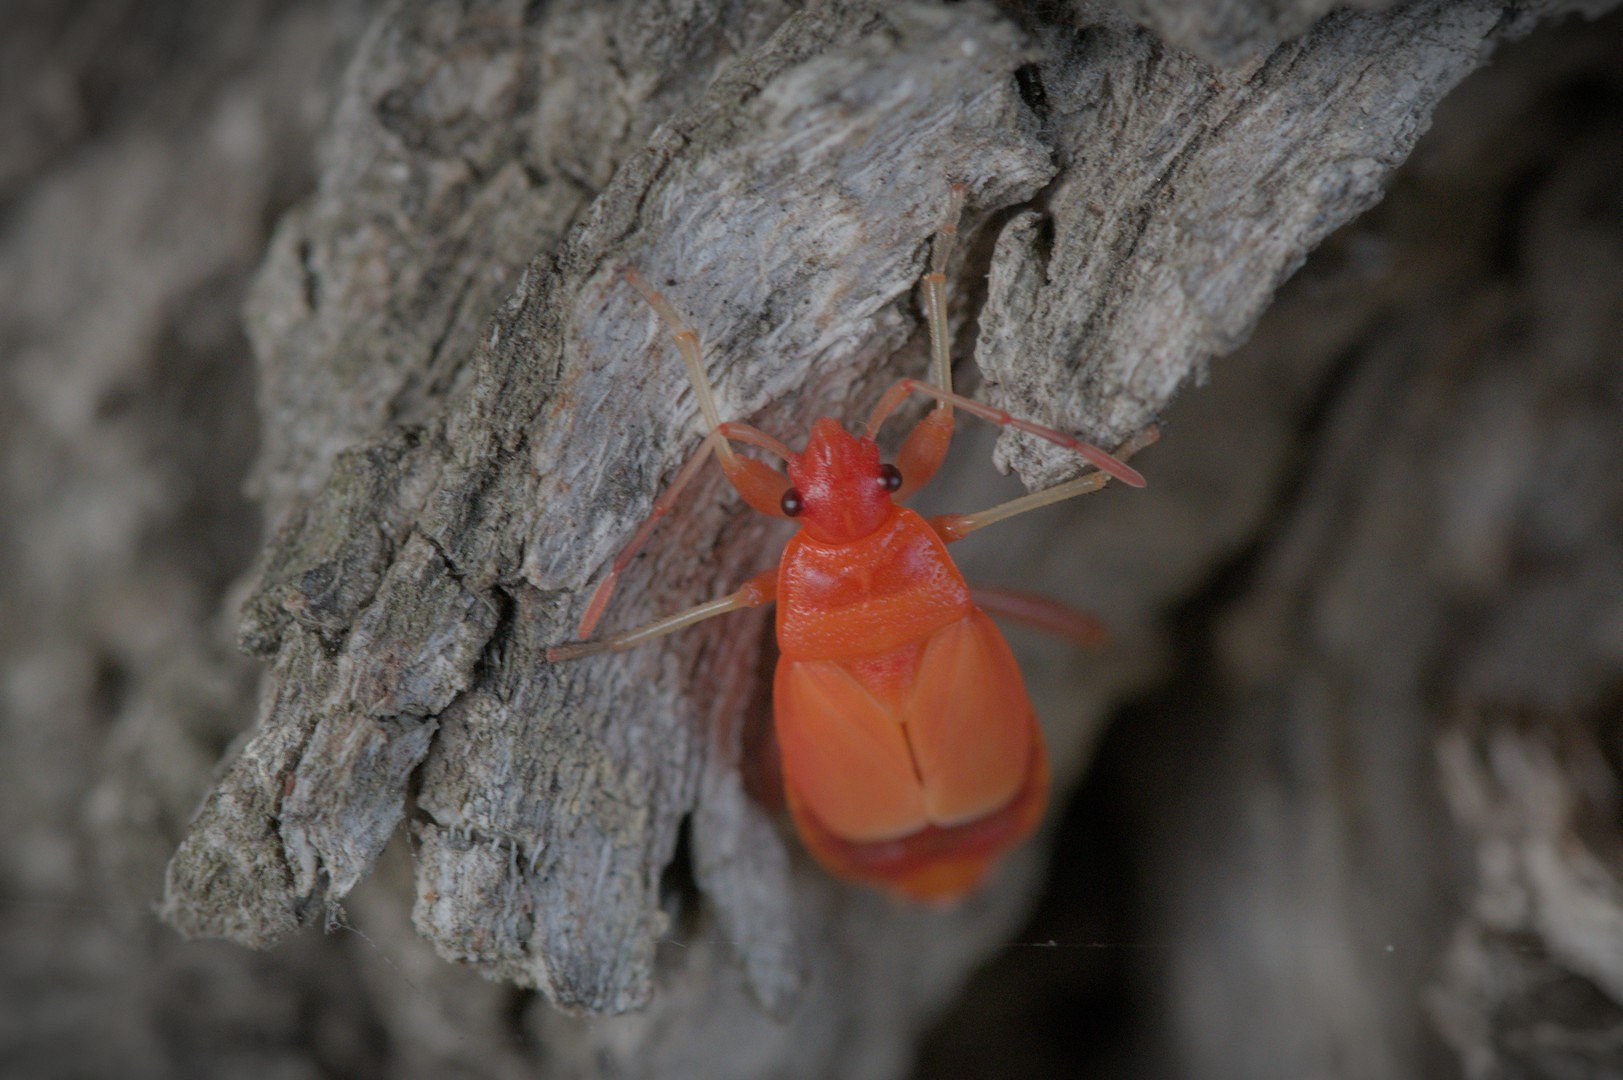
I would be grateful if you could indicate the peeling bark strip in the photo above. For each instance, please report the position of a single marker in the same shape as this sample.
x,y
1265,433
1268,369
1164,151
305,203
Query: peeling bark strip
x,y
449,483
1188,195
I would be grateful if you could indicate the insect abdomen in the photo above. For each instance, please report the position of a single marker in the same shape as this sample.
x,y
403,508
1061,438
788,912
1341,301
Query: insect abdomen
x,y
914,768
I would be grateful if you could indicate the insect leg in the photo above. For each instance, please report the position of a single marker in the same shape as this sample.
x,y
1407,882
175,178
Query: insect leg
x,y
935,293
1041,613
687,343
761,485
667,502
758,590
957,526
662,507
1103,461
926,445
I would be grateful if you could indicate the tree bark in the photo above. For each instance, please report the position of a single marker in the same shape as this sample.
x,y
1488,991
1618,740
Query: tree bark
x,y
1385,702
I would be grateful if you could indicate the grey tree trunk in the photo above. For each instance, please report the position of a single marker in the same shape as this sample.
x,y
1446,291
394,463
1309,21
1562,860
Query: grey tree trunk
x,y
1358,729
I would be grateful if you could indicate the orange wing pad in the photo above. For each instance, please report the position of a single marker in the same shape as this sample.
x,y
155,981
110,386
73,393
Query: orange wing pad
x,y
845,753
935,865
969,722
921,790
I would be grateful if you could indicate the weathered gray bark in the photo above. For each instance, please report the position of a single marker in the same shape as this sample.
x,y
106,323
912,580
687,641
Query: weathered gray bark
x,y
1400,708
1372,815
462,415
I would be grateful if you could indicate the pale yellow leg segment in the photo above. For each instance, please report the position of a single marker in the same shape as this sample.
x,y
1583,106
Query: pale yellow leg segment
x,y
759,484
664,505
687,343
897,394
926,445
957,526
758,590
935,293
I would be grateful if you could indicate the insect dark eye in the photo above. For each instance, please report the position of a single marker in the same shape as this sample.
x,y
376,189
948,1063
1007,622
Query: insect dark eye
x,y
890,477
791,504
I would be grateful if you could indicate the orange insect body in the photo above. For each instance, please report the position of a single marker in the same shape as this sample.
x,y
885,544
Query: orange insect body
x,y
911,756
911,752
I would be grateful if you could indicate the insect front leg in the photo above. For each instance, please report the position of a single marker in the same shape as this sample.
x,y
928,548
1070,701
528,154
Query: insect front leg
x,y
926,445
756,481
1096,456
935,292
761,485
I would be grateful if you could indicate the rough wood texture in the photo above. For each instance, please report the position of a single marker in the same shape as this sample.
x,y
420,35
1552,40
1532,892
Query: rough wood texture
x,y
1372,825
1229,33
463,413
143,159
1459,473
